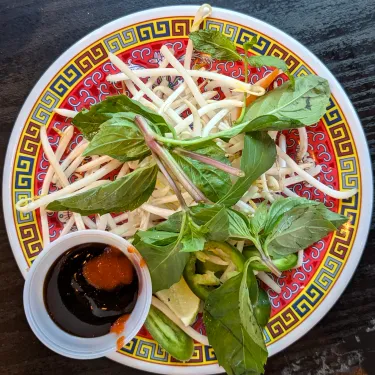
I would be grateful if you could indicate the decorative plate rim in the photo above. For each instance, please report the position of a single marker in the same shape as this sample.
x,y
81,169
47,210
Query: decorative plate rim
x,y
302,52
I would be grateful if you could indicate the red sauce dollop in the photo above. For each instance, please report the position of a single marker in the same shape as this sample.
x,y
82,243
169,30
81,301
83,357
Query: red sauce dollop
x,y
131,249
119,325
109,270
142,262
120,342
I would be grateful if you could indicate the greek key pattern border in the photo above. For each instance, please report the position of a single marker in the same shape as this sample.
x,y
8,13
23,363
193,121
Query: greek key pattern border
x,y
148,350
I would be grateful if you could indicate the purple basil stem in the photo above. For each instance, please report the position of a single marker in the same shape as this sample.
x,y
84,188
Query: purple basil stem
x,y
215,163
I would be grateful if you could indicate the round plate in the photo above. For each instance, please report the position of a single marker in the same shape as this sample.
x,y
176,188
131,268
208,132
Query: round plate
x,y
77,80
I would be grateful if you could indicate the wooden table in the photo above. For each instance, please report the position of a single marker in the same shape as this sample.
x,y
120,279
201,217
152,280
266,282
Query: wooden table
x,y
341,33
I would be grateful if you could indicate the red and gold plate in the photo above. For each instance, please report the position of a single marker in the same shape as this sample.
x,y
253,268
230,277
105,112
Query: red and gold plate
x,y
78,80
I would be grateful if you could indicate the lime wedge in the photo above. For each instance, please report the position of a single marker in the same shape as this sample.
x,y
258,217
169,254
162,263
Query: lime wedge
x,y
181,300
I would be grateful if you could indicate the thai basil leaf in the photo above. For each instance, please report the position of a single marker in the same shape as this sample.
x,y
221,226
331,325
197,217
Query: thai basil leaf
x,y
305,103
259,61
214,183
201,214
270,122
193,238
210,149
204,223
281,206
215,44
259,219
165,263
89,121
124,194
336,219
258,156
119,138
238,225
299,228
214,222
250,43
162,252
156,238
249,293
231,327
172,224
261,123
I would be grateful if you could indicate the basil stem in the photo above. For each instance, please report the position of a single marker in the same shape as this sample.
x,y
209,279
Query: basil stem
x,y
168,160
189,142
171,183
182,177
265,258
206,160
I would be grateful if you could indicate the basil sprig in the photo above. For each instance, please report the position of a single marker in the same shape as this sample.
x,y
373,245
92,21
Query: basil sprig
x,y
124,194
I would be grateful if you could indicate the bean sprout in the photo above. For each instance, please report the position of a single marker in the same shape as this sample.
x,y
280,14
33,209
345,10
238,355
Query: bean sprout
x,y
64,141
312,181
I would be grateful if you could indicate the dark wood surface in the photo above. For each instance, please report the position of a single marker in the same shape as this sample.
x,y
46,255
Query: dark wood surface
x,y
340,32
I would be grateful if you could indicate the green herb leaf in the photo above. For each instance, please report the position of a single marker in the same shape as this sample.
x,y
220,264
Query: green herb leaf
x,y
165,263
238,225
336,219
215,44
232,329
214,221
89,121
162,252
172,224
205,222
202,214
124,194
248,297
262,123
193,238
258,156
182,232
299,228
214,183
250,43
281,206
156,238
211,149
259,61
276,62
306,103
292,79
259,219
119,138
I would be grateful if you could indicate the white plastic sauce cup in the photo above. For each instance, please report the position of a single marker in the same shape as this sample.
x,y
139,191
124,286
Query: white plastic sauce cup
x,y
44,327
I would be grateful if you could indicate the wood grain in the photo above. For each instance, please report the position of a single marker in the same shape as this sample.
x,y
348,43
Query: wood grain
x,y
340,32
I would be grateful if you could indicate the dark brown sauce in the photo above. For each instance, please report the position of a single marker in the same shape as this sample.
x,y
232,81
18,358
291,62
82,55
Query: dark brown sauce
x,y
78,307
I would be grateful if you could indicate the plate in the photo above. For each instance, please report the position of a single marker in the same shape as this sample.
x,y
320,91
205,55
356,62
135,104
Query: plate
x,y
77,80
